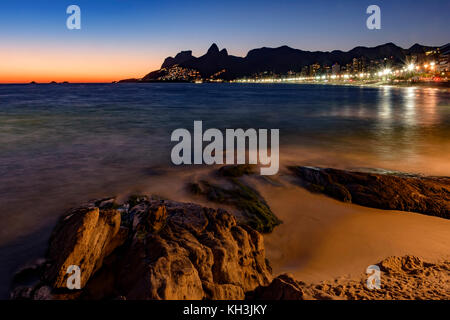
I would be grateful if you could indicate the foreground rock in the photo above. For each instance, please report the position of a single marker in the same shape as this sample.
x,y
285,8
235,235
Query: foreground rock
x,y
386,190
82,238
401,278
149,249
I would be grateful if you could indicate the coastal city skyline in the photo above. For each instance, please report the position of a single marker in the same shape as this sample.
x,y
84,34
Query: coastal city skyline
x,y
385,63
118,40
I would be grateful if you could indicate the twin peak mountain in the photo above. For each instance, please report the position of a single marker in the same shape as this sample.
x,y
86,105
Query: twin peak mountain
x,y
279,60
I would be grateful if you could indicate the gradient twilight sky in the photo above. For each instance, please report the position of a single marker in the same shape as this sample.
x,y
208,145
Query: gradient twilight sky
x,y
128,38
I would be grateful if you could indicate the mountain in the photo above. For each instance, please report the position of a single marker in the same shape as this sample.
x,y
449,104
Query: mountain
x,y
181,57
277,60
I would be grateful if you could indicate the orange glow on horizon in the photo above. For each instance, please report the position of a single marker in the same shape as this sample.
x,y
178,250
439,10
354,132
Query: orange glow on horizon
x,y
12,79
16,79
20,64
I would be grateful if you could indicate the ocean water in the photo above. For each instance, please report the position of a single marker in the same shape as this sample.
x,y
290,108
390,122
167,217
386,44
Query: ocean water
x,y
63,144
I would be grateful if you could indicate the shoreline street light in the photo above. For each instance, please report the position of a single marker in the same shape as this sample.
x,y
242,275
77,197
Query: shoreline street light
x,y
432,65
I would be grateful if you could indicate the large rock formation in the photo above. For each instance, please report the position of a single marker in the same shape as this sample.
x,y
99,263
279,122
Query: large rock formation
x,y
381,189
150,249
83,238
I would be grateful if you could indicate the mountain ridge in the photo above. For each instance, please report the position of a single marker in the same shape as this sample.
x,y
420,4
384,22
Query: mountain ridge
x,y
278,60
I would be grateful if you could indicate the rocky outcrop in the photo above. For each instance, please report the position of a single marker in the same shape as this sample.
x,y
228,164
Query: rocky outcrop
x,y
150,249
197,253
82,238
283,287
381,189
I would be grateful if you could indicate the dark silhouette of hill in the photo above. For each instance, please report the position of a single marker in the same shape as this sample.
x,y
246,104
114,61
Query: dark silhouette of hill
x,y
278,60
181,57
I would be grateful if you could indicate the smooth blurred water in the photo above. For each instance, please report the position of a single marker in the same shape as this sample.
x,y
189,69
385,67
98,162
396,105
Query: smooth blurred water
x,y
62,144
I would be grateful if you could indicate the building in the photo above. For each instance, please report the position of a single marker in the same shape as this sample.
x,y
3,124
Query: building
x,y
305,71
335,69
314,69
355,65
443,61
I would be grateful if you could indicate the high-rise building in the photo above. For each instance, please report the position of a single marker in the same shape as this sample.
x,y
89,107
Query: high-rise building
x,y
305,71
314,69
355,65
335,69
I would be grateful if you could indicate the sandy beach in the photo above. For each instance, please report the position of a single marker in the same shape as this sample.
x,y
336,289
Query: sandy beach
x,y
322,239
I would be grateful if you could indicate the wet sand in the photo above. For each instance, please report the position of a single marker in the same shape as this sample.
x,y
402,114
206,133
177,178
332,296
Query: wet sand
x,y
322,239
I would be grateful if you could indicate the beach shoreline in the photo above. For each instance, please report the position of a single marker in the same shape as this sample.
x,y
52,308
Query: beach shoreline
x,y
323,245
444,85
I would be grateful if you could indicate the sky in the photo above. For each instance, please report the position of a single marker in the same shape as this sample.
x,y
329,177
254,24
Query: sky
x,y
128,38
